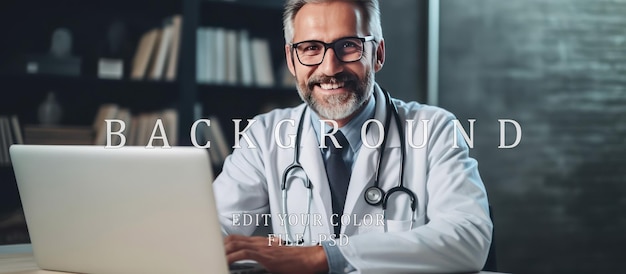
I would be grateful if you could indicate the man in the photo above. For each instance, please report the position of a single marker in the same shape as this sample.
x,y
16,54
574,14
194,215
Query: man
x,y
333,48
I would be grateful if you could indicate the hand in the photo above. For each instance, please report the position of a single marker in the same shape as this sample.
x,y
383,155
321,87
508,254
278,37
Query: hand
x,y
274,256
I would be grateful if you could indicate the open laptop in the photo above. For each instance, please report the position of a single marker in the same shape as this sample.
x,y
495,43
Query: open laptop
x,y
126,210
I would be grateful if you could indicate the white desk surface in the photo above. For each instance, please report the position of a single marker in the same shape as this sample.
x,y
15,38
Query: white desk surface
x,y
18,259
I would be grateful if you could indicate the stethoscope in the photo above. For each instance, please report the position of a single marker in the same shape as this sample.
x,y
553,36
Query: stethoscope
x,y
374,195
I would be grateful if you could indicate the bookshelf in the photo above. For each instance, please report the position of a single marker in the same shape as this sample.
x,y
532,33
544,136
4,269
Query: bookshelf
x,y
88,21
261,20
29,27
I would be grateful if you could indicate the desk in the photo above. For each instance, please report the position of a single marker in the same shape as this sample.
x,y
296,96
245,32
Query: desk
x,y
22,263
19,259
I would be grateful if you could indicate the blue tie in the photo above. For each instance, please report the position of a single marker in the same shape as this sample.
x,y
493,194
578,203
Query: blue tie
x,y
338,177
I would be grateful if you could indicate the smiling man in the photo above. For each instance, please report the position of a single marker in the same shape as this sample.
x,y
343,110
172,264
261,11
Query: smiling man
x,y
336,88
342,199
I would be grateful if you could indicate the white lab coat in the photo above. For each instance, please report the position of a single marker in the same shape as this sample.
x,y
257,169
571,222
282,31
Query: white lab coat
x,y
451,229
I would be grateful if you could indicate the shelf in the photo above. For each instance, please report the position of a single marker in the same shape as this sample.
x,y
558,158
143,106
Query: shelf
x,y
121,91
259,18
81,7
268,4
30,25
90,23
210,90
245,102
145,87
80,97
233,102
82,80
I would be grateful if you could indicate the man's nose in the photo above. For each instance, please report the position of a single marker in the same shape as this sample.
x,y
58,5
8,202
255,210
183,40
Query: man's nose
x,y
331,65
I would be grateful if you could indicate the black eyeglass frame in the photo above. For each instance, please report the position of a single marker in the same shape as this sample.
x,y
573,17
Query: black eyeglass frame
x,y
329,45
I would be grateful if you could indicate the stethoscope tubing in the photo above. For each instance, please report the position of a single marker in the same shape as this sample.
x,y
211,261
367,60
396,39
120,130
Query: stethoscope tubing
x,y
383,198
295,165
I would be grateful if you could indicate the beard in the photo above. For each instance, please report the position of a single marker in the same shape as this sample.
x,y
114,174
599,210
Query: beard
x,y
337,106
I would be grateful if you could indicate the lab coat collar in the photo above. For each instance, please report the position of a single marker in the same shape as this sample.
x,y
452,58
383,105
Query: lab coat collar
x,y
380,115
365,164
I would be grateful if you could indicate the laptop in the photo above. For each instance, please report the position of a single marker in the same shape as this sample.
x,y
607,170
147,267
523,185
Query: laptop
x,y
90,209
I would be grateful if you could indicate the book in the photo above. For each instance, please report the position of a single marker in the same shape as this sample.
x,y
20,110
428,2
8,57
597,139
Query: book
x,y
211,53
158,67
231,50
4,143
201,56
220,55
106,111
138,127
144,128
206,55
153,55
144,52
8,138
131,138
246,73
218,143
17,130
123,114
170,124
264,74
207,136
172,63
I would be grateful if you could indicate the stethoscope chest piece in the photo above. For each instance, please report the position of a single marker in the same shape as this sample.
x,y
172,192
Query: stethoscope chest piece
x,y
374,195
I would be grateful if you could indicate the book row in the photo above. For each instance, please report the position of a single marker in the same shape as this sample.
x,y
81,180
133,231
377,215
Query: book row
x,y
233,57
156,57
137,129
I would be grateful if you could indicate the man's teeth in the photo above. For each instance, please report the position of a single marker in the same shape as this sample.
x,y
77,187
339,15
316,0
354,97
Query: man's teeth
x,y
332,85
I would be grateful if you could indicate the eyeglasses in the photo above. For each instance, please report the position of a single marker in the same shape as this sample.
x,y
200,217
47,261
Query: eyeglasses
x,y
347,50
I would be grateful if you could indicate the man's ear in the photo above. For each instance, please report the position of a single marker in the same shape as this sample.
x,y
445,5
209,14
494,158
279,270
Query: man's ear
x,y
289,60
380,55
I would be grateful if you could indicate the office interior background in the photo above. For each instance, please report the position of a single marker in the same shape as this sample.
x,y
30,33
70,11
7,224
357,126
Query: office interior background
x,y
557,67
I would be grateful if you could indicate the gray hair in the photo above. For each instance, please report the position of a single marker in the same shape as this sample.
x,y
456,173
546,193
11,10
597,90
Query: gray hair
x,y
368,7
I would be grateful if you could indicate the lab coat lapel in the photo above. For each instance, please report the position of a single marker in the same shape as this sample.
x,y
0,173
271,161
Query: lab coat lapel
x,y
366,163
313,164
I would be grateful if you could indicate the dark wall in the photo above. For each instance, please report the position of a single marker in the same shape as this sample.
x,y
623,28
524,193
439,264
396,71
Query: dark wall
x,y
558,67
404,25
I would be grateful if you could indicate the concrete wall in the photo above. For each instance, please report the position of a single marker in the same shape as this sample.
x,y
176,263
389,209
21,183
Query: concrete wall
x,y
404,29
558,67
